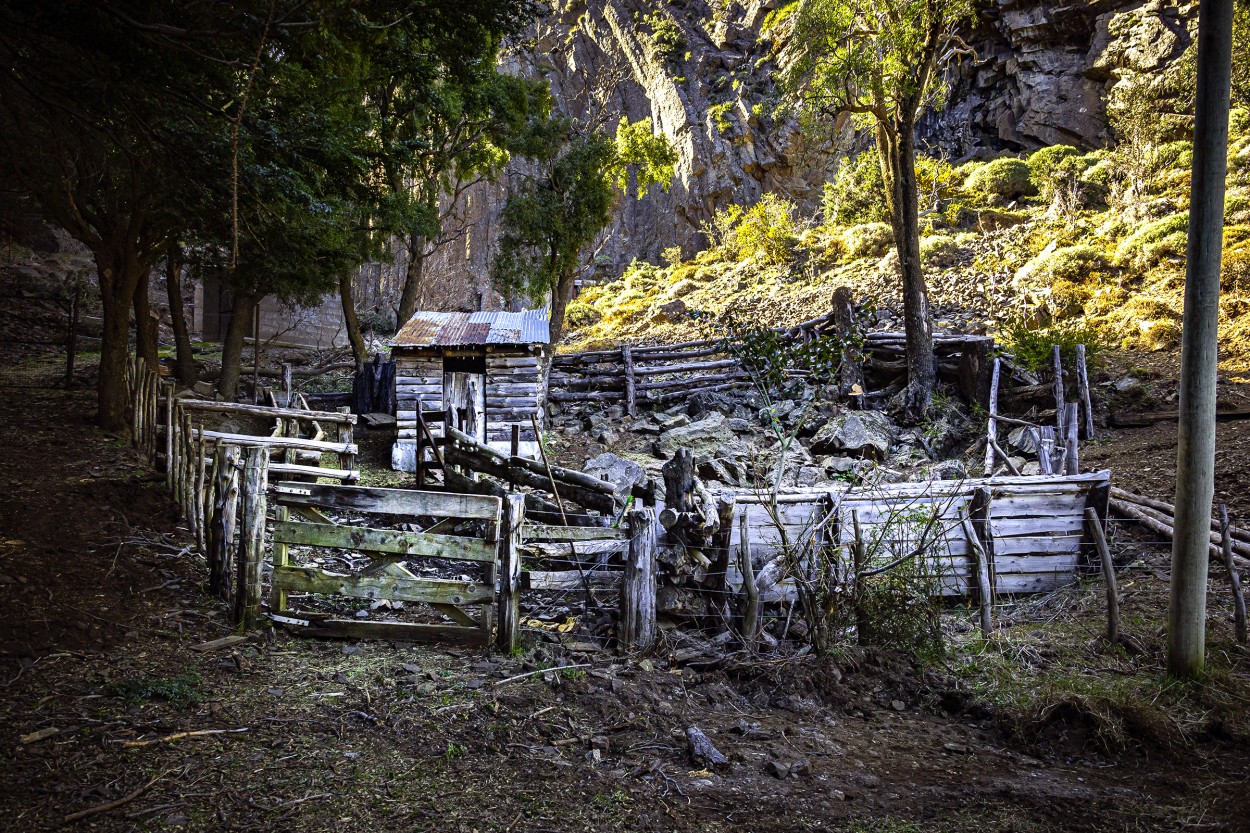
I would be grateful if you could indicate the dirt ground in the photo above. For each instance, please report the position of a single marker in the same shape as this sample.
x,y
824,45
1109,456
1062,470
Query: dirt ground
x,y
1042,728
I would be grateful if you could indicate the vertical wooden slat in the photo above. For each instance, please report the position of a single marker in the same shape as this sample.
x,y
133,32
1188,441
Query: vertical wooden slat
x,y
169,434
1071,459
991,427
188,461
510,573
197,496
251,539
1082,386
979,514
281,558
1059,404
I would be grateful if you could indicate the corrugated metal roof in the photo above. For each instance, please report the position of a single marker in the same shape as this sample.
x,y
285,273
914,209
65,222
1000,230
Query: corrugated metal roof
x,y
457,329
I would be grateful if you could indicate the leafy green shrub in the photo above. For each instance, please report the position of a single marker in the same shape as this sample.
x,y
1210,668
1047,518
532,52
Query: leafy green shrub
x,y
766,230
1238,121
856,194
1003,179
1072,264
666,38
868,240
1237,208
1032,346
1153,242
180,691
1044,168
719,114
939,250
580,314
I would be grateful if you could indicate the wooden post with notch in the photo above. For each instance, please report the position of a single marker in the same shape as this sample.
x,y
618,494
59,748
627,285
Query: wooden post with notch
x,y
637,621
751,591
251,538
510,573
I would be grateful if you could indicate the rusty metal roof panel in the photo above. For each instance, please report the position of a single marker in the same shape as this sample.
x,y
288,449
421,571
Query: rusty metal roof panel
x,y
458,329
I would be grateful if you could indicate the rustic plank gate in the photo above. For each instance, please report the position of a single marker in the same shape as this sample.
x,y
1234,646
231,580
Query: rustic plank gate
x,y
301,521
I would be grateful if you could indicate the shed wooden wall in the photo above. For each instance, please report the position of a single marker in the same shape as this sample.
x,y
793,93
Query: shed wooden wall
x,y
514,393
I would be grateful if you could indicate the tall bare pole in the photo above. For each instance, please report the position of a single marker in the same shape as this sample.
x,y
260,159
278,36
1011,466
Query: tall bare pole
x,y
1195,458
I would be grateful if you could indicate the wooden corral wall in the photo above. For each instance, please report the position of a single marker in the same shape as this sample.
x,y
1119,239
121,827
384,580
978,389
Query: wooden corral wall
x,y
1032,528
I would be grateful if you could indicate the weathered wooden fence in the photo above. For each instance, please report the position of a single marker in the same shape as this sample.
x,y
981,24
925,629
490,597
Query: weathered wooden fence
x,y
632,376
1031,531
301,520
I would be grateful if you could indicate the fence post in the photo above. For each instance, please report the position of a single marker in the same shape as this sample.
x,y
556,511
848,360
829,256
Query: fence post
x,y
627,358
251,538
1093,524
169,434
225,501
510,573
637,622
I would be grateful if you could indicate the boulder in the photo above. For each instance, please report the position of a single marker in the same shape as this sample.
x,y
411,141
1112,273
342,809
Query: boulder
x,y
946,470
703,437
624,474
1022,439
864,434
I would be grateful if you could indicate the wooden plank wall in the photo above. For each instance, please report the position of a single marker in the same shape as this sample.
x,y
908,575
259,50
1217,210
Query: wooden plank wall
x,y
513,386
1036,525
418,378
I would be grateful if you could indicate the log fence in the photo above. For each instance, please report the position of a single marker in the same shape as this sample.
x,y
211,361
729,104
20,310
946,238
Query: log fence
x,y
633,376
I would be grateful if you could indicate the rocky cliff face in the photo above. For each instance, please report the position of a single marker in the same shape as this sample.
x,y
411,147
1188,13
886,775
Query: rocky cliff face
x,y
703,71
1043,72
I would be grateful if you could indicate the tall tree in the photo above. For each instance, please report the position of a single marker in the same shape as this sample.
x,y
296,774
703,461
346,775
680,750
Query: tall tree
x,y
556,211
879,61
238,128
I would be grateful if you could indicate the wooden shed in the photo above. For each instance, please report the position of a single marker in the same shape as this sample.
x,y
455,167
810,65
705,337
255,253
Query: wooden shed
x,y
482,368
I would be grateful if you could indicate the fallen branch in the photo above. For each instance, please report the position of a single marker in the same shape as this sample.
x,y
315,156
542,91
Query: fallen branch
x,y
131,744
112,805
541,671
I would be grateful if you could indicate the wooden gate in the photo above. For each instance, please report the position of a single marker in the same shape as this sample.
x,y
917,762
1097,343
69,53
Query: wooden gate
x,y
302,522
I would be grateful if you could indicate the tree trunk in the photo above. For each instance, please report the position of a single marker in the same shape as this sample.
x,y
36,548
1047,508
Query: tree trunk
x,y
898,166
1195,464
177,315
119,271
232,349
359,352
560,298
411,295
145,326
